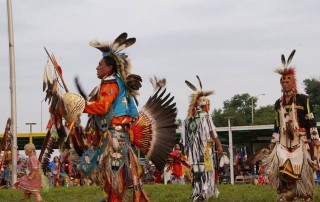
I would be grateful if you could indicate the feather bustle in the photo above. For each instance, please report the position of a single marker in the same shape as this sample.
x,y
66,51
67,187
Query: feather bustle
x,y
159,143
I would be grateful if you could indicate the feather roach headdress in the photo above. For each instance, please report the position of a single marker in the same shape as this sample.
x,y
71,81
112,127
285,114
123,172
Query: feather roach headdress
x,y
113,49
197,99
287,72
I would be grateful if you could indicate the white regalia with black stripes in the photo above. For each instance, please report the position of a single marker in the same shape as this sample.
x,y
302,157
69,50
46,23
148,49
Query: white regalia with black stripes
x,y
199,147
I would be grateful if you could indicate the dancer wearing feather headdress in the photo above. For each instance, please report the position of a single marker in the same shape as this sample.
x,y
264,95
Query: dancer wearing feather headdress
x,y
114,125
176,162
295,140
199,139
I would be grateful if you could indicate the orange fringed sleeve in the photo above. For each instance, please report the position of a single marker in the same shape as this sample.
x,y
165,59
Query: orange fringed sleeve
x,y
108,92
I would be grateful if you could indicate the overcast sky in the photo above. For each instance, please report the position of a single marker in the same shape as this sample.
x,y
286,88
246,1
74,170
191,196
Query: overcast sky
x,y
234,46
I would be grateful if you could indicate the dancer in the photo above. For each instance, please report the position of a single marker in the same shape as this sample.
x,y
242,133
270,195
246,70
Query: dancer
x,y
295,141
58,173
114,124
199,138
176,161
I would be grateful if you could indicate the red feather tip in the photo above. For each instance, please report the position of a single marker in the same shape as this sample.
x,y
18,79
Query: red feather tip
x,y
59,70
141,130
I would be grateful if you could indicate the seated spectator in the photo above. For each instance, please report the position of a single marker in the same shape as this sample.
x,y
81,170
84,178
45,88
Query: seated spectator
x,y
50,179
5,177
20,169
59,176
158,175
68,167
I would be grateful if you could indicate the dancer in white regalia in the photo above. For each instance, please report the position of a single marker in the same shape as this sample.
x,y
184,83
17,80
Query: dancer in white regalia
x,y
199,138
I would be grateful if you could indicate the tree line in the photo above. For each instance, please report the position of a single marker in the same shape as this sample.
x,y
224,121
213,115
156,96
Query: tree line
x,y
240,108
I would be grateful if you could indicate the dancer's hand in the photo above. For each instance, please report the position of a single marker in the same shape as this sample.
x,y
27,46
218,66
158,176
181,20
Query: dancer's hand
x,y
219,149
316,142
271,146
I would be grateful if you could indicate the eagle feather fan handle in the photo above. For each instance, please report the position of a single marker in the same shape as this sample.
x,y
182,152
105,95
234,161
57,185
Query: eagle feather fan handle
x,y
57,68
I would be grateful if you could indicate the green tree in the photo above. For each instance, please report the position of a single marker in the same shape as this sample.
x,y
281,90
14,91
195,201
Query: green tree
x,y
218,118
240,108
264,115
312,88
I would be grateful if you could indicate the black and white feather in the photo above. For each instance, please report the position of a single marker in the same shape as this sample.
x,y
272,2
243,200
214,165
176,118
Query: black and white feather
x,y
161,112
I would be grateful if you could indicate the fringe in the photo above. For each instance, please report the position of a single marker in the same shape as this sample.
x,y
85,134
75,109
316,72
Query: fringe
x,y
272,164
205,187
44,181
304,186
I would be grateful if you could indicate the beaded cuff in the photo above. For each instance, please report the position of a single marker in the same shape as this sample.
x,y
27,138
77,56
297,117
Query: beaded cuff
x,y
309,116
314,133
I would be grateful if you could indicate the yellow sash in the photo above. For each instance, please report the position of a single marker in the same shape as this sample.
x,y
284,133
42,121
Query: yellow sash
x,y
208,158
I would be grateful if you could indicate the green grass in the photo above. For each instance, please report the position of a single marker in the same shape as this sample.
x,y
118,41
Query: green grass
x,y
156,193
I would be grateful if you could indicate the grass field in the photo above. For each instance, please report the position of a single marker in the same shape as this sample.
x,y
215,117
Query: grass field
x,y
156,193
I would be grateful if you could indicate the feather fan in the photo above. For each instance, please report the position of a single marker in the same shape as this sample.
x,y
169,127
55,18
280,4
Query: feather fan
x,y
154,131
